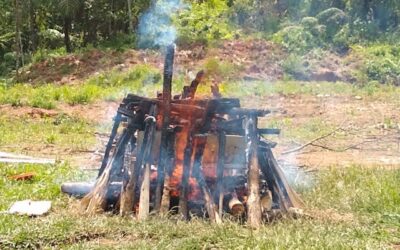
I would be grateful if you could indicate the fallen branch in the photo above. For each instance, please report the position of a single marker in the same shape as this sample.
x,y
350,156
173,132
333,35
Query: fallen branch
x,y
311,142
14,158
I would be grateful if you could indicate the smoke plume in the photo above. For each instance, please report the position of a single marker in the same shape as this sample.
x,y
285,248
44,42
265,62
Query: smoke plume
x,y
155,25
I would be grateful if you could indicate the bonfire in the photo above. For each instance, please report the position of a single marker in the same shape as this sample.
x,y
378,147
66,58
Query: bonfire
x,y
189,156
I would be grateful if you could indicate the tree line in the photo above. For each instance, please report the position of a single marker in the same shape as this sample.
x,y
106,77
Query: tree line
x,y
29,25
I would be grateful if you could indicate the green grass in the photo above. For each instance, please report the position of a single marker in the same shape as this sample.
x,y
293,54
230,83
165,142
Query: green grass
x,y
61,132
312,128
371,91
112,85
145,80
370,195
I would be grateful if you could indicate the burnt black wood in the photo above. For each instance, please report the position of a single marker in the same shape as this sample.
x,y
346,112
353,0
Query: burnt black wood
x,y
110,142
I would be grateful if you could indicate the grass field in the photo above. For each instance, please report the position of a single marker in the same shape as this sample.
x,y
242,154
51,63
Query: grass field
x,y
351,208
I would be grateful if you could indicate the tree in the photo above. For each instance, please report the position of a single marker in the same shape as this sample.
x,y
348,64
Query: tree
x,y
130,15
18,44
68,10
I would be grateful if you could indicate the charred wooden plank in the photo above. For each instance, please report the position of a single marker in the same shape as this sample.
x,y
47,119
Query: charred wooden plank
x,y
249,112
96,200
254,214
197,173
170,162
166,112
127,200
269,131
183,194
220,170
117,121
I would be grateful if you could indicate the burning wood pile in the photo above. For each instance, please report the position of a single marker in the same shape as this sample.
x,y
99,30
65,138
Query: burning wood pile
x,y
191,157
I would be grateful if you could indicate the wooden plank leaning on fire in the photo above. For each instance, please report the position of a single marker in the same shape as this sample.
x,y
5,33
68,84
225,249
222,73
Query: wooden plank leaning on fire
x,y
130,182
96,200
197,173
165,123
254,215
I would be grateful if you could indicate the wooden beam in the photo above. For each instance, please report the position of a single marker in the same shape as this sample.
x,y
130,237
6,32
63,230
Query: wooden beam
x,y
144,203
254,214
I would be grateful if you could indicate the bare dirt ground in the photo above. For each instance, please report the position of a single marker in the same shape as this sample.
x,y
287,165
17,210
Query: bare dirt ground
x,y
364,135
258,59
368,131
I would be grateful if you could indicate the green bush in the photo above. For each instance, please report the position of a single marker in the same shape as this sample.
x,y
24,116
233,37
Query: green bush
x,y
120,42
382,63
204,22
42,102
294,67
51,38
296,39
250,16
341,40
309,22
384,70
333,19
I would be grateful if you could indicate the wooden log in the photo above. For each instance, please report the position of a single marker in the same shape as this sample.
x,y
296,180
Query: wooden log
x,y
254,214
144,203
183,194
220,170
266,202
236,208
210,206
208,200
128,189
166,111
96,201
281,190
114,130
127,199
165,201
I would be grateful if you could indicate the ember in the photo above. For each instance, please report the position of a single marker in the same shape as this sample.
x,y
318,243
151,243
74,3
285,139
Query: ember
x,y
190,156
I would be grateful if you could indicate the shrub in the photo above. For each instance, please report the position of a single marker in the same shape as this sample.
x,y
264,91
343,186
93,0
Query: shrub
x,y
217,68
296,39
51,38
204,22
42,102
382,63
309,22
333,19
294,67
341,40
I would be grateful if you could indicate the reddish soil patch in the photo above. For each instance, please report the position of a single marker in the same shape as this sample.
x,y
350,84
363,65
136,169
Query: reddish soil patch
x,y
26,111
364,139
259,59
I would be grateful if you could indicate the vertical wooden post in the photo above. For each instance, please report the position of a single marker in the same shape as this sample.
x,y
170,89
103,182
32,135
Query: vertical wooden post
x,y
96,200
254,213
117,121
167,88
165,201
220,170
208,199
144,203
183,199
127,200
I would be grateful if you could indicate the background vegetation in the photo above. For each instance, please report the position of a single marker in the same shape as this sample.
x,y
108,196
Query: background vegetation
x,y
32,29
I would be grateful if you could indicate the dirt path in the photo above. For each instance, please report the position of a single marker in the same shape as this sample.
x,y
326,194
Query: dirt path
x,y
370,133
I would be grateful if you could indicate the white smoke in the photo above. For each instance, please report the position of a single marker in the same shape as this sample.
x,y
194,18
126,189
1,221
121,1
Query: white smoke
x,y
156,28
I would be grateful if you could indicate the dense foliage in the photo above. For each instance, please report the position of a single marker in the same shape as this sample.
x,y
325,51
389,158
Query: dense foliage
x,y
33,26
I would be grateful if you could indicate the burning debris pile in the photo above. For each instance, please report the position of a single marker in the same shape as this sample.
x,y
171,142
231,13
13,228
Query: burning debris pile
x,y
189,156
